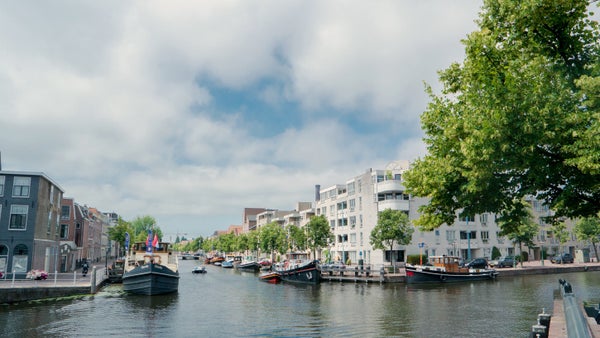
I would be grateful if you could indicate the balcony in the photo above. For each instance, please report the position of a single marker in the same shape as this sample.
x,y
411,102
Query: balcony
x,y
390,186
394,205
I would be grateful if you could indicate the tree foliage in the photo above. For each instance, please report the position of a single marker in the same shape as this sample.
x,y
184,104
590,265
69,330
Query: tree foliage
x,y
517,224
588,229
296,238
518,117
318,233
140,226
392,227
273,238
117,232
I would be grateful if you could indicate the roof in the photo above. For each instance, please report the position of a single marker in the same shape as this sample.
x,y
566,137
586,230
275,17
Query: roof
x,y
32,173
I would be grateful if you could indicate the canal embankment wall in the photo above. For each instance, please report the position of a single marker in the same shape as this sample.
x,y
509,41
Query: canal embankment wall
x,y
63,285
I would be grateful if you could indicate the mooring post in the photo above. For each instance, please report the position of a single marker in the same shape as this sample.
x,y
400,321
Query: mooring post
x,y
93,281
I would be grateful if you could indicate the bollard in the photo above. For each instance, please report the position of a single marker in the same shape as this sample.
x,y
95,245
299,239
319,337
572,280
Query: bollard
x,y
356,271
13,279
55,277
368,271
93,281
544,318
538,331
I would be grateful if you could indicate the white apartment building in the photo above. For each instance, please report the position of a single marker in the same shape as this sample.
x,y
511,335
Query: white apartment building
x,y
352,211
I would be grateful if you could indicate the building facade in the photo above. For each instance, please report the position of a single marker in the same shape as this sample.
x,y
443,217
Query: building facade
x,y
352,210
30,234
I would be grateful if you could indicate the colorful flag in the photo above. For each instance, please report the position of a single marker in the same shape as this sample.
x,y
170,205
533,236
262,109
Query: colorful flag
x,y
155,241
149,242
126,241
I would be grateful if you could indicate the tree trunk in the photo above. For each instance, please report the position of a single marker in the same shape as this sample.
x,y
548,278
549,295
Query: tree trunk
x,y
595,251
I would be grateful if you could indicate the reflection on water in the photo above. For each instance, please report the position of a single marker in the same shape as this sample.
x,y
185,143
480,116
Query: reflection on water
x,y
228,303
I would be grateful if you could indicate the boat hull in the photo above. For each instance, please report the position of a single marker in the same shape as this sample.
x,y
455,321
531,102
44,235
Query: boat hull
x,y
151,279
307,274
250,267
418,275
270,277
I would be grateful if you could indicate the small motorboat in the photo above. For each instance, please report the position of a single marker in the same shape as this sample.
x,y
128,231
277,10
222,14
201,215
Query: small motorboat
x,y
199,269
272,277
227,264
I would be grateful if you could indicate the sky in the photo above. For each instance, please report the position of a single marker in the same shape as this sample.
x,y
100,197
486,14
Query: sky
x,y
191,111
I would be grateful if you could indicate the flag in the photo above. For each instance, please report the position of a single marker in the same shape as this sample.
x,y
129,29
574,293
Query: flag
x,y
155,241
149,242
126,241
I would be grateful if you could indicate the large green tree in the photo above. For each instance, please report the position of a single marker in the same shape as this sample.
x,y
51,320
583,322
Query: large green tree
x,y
518,117
117,233
140,226
517,224
318,234
393,226
588,229
296,238
272,238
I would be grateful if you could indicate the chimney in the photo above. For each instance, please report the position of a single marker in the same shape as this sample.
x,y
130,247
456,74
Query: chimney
x,y
317,192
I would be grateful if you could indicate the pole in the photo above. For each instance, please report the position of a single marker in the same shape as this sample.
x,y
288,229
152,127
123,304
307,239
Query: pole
x,y
468,241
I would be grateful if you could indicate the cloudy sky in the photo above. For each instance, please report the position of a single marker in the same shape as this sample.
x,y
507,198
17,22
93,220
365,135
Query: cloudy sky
x,y
189,111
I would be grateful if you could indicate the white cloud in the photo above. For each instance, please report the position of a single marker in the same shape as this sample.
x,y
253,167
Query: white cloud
x,y
114,100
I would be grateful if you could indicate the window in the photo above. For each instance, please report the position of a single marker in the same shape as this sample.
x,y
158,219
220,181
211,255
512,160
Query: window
x,y
353,221
331,210
485,236
51,195
351,188
21,186
332,224
465,234
450,235
49,226
342,205
352,204
469,218
20,258
64,231
1,185
18,217
65,212
483,218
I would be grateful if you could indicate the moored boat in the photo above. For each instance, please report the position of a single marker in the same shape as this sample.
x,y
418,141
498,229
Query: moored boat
x,y
228,264
116,270
216,259
307,272
446,269
151,272
250,266
272,277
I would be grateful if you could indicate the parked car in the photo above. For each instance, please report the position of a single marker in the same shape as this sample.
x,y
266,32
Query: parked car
x,y
505,262
562,258
477,263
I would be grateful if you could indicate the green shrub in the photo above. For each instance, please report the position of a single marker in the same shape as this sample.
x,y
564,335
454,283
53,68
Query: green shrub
x,y
416,259
496,253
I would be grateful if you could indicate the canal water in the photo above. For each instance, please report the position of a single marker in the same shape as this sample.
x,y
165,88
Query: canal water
x,y
229,303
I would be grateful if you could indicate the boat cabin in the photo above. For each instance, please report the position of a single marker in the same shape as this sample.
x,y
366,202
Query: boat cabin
x,y
449,263
158,255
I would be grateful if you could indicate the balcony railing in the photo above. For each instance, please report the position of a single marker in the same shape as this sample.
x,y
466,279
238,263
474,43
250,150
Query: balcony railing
x,y
390,186
394,205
